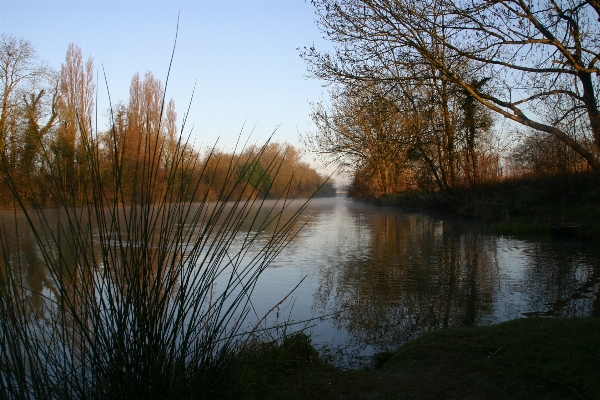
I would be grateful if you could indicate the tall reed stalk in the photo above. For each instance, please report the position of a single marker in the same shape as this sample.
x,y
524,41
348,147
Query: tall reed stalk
x,y
149,286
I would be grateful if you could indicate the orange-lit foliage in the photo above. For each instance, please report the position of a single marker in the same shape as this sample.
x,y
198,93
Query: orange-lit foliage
x,y
46,128
285,174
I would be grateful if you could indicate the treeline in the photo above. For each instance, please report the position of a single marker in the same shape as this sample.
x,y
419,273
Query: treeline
x,y
50,148
417,89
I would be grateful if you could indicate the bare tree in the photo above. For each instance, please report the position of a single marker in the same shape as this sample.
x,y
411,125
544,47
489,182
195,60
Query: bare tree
x,y
145,113
442,123
19,71
27,111
75,108
362,130
143,134
538,59
396,131
544,56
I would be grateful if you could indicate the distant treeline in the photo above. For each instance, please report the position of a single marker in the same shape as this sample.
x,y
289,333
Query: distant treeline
x,y
49,145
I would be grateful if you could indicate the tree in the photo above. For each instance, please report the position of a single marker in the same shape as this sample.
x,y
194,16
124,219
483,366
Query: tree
x,y
142,140
33,134
75,107
364,131
538,154
253,173
371,52
538,59
27,111
545,54
291,176
19,71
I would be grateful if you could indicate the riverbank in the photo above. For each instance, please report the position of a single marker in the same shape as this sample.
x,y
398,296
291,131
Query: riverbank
x,y
523,359
566,205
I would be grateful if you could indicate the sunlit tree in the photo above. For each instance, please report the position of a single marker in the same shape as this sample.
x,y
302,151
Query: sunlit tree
x,y
75,109
534,63
27,112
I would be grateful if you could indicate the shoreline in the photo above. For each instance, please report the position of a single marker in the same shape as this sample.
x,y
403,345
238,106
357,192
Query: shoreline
x,y
524,358
565,206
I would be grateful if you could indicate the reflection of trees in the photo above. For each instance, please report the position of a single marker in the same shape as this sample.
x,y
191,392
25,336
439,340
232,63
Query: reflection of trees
x,y
22,254
408,274
39,287
562,280
27,262
419,275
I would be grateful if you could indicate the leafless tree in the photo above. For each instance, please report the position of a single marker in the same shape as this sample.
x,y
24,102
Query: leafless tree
x,y
533,62
363,131
443,124
20,70
75,110
27,111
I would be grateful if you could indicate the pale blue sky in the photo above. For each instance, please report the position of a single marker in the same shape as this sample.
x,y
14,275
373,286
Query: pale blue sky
x,y
242,54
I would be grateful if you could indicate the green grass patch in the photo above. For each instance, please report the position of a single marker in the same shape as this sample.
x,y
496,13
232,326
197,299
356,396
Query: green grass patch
x,y
523,359
521,227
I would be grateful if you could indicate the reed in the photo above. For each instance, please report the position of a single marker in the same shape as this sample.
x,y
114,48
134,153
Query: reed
x,y
150,284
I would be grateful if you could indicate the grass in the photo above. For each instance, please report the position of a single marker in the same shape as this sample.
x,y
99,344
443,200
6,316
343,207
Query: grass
x,y
521,227
266,363
149,284
535,358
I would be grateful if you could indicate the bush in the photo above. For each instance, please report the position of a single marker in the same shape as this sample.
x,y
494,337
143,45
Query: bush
x,y
148,286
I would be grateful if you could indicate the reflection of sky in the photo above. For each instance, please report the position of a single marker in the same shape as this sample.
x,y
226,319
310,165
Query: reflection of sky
x,y
335,253
512,262
558,271
390,276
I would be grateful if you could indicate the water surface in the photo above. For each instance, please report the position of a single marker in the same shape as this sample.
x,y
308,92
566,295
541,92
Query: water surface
x,y
375,277
382,277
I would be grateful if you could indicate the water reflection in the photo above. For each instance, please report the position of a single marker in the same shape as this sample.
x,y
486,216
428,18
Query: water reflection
x,y
383,277
412,273
390,276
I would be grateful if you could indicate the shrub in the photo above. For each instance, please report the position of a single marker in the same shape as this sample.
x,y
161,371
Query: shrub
x,y
149,288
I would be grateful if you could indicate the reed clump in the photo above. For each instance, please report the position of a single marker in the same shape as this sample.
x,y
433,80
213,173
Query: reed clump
x,y
147,283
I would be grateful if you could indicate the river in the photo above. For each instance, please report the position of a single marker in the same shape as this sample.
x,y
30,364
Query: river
x,y
379,277
372,278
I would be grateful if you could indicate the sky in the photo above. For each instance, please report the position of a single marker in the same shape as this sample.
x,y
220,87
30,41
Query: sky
x,y
241,56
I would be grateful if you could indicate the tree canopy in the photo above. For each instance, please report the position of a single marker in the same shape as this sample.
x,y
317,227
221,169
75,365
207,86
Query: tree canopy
x,y
49,148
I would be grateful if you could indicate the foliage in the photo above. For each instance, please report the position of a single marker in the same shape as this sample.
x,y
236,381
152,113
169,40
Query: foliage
x,y
254,174
46,125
